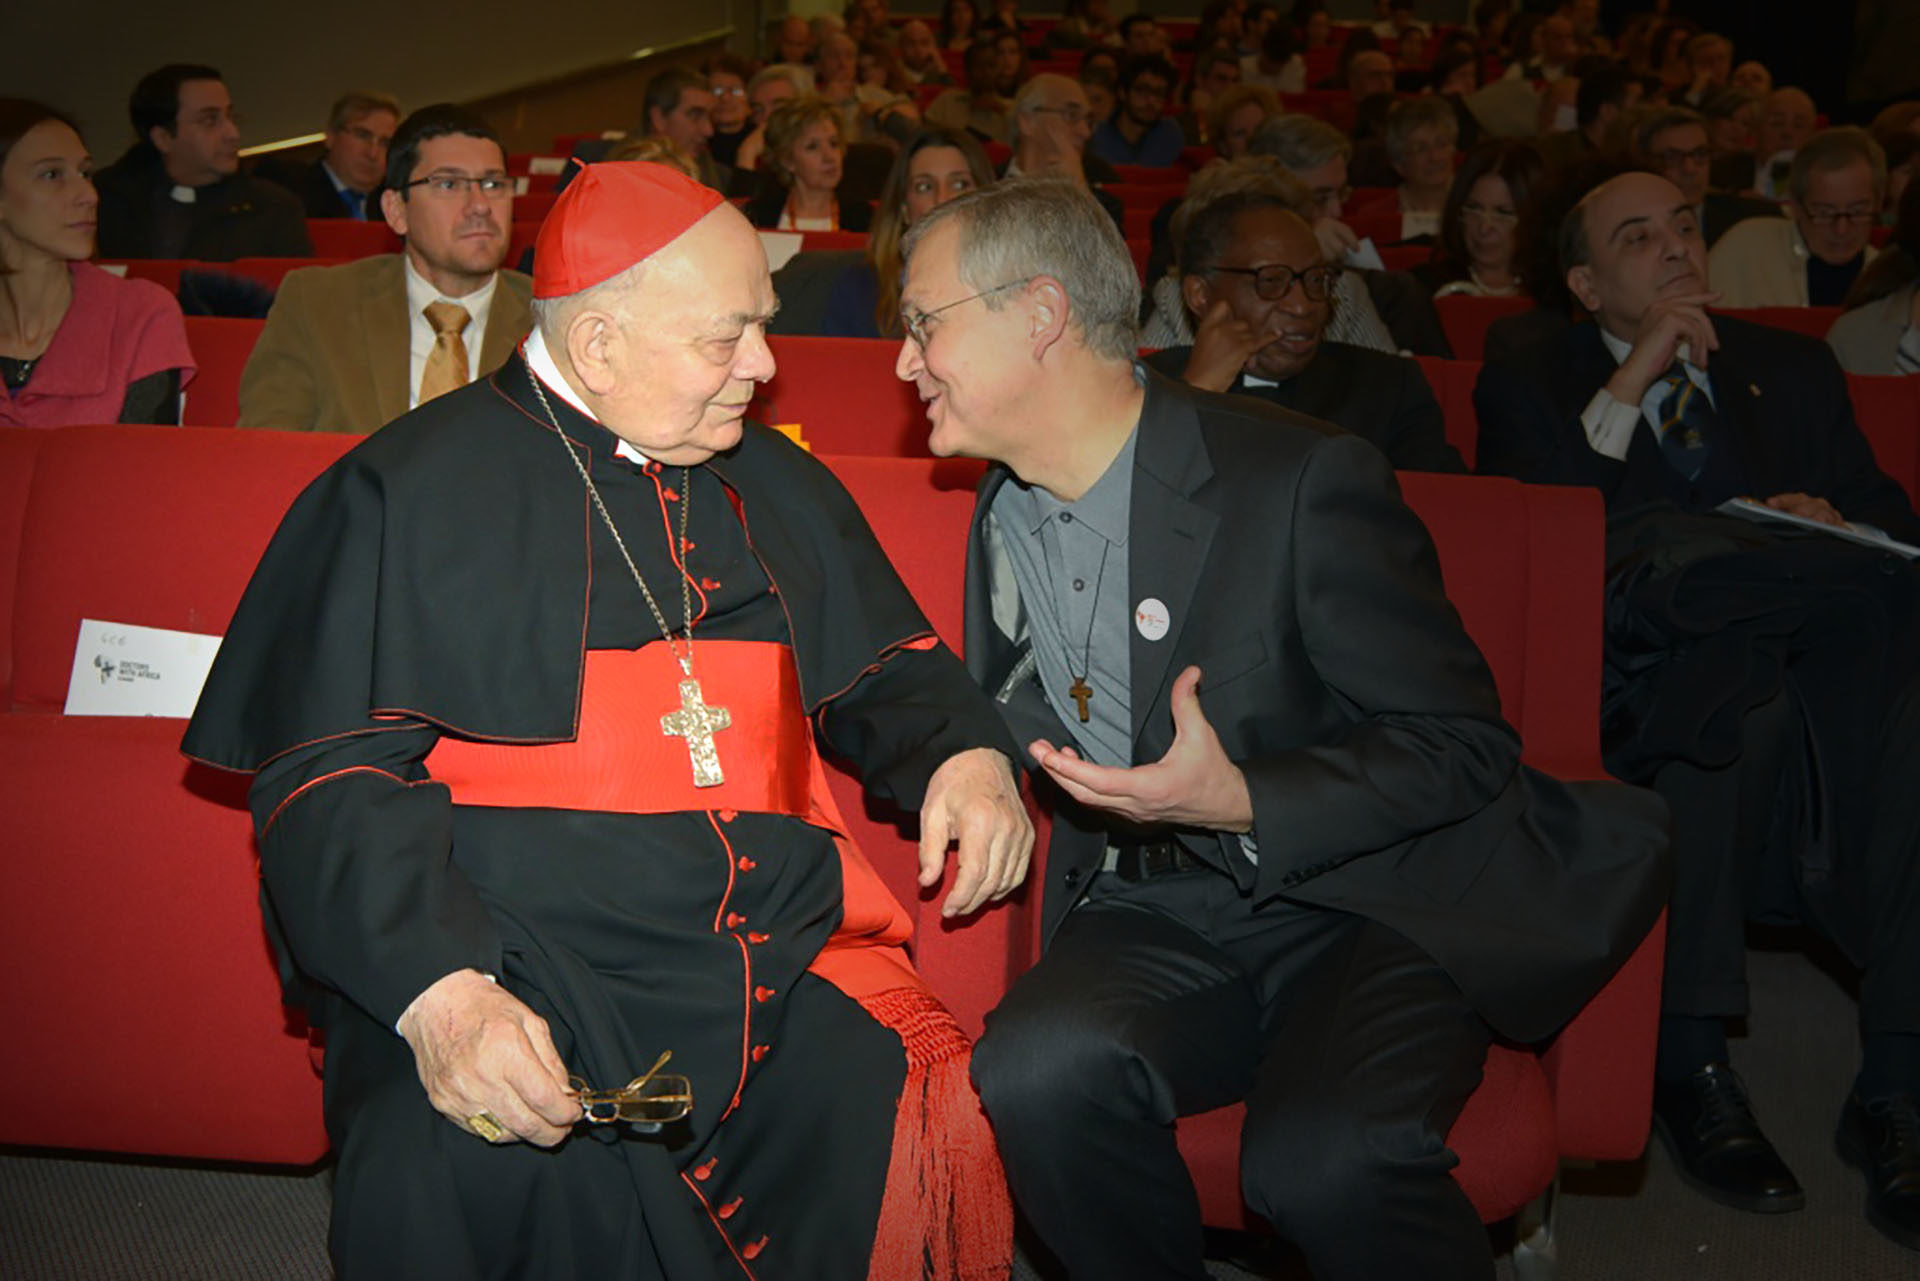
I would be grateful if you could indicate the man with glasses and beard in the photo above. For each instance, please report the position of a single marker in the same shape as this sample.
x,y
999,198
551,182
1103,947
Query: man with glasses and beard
x,y
352,347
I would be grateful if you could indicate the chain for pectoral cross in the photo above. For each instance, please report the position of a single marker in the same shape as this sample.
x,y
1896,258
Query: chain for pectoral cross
x,y
696,720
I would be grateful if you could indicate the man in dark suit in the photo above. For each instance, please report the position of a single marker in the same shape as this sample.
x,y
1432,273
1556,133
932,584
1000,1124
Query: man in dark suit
x,y
1674,142
1257,289
1291,836
1766,685
342,181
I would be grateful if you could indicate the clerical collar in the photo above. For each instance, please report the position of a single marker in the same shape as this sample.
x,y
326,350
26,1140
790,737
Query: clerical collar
x,y
1249,380
184,194
540,361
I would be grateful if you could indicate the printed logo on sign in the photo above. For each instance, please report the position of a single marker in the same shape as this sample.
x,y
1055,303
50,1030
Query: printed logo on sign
x,y
105,665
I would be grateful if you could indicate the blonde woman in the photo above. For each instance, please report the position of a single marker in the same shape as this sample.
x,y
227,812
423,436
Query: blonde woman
x,y
806,150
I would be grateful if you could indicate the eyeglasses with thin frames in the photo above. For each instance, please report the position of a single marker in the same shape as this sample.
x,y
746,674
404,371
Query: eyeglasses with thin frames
x,y
915,321
1823,216
455,186
649,1101
1276,280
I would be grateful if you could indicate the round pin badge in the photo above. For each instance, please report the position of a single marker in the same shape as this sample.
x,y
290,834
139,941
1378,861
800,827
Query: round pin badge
x,y
1151,618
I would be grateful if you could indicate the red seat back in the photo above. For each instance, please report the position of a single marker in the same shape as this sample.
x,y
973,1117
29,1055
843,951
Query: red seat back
x,y
1888,412
19,450
220,346
351,238
1814,322
843,394
1465,319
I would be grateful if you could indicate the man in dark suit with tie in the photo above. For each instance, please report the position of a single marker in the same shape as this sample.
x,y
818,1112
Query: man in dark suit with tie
x,y
1765,684
1291,838
341,183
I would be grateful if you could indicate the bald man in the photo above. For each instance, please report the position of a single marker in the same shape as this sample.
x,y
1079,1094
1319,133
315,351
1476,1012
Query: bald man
x,y
1774,694
1787,120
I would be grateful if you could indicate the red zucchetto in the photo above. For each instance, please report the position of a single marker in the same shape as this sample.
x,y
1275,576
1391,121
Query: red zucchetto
x,y
610,217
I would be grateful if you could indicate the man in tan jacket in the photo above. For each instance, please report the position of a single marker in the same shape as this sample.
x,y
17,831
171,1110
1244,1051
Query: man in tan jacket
x,y
353,347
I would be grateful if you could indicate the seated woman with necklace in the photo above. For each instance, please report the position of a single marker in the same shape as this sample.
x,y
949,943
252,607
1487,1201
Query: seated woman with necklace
x,y
77,344
1475,254
806,149
1422,134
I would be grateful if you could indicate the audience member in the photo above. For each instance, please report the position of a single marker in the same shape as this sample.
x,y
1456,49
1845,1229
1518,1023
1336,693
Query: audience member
x,y
920,58
1140,133
806,152
1219,28
794,43
1880,332
1812,257
1141,37
77,344
732,116
1553,52
1455,73
1051,129
1672,141
178,191
957,20
353,347
1752,77
1603,96
1412,61
1537,260
1369,74
1236,115
1765,686
1316,28
1312,153
1421,137
1359,40
342,182
1214,72
1012,68
1277,66
980,108
933,167
1786,122
1732,116
1259,18
1669,60
769,87
1476,254
1258,293
867,112
1190,975
679,107
1083,24
1097,83
1709,66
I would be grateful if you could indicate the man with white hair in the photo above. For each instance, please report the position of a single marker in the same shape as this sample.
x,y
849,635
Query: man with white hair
x,y
1291,831
531,719
1811,257
1051,125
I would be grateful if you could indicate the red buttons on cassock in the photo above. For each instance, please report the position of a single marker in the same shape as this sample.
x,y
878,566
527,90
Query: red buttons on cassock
x,y
761,1052
735,920
727,816
746,864
752,1249
764,994
704,1170
755,936
726,1211
669,493
709,584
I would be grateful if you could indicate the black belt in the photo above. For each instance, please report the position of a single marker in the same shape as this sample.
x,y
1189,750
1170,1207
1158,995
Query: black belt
x,y
1146,859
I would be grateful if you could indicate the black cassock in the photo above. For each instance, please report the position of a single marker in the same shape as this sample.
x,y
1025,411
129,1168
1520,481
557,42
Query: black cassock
x,y
444,582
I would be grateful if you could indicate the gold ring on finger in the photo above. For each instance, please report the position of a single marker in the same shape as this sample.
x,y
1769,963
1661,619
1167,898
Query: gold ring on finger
x,y
487,1126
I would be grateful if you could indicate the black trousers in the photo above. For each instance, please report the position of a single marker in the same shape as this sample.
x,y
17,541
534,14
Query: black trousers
x,y
1353,1051
1733,864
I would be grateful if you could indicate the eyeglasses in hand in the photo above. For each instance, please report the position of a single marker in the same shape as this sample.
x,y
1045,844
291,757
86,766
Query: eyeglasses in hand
x,y
647,1102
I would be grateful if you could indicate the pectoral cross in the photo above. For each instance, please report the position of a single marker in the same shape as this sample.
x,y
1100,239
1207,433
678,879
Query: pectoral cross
x,y
1080,692
696,722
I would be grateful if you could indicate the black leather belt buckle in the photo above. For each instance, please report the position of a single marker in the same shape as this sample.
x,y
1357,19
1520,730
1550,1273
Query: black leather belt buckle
x,y
1152,858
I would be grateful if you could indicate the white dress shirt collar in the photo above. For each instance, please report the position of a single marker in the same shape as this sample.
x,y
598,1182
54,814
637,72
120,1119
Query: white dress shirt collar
x,y
540,361
421,293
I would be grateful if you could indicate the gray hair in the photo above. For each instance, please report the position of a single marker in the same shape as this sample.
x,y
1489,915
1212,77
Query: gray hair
x,y
1046,227
1832,149
615,294
1034,92
1261,182
1430,111
1300,142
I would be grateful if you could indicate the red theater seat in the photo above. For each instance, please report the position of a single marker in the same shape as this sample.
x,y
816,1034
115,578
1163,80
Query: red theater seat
x,y
844,396
1814,322
351,238
1888,411
220,348
1465,320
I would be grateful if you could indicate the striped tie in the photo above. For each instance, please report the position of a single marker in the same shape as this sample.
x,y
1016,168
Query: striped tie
x,y
1686,423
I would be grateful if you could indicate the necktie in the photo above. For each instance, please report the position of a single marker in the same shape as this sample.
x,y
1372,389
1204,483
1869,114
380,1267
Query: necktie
x,y
1686,423
355,202
446,366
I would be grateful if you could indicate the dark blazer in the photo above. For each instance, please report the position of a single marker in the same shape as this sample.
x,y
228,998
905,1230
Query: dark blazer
x,y
237,217
1384,780
764,209
314,190
1781,400
1381,398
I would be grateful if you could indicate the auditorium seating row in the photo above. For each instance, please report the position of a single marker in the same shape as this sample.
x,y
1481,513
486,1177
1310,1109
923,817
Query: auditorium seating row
x,y
152,1022
843,395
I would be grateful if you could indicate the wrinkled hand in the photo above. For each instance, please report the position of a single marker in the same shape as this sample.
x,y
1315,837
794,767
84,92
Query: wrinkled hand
x,y
479,1049
1798,504
973,800
1222,345
1336,239
1193,785
1666,324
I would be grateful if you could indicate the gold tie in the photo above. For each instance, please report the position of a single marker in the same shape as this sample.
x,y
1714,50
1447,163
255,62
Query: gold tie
x,y
447,363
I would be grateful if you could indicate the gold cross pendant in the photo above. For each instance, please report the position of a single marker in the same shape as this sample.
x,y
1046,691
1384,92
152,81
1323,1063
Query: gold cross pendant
x,y
696,722
1081,692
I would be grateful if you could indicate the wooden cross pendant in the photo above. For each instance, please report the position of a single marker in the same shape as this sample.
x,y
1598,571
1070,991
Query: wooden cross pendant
x,y
696,722
1081,692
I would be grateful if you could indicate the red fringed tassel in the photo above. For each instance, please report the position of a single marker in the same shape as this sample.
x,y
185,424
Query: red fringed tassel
x,y
946,1215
